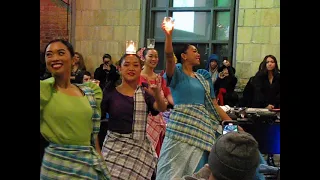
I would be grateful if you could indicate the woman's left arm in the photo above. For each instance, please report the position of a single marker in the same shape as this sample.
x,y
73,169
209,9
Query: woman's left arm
x,y
159,103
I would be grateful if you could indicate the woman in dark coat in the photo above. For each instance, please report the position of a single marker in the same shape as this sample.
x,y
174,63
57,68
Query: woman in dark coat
x,y
248,92
267,85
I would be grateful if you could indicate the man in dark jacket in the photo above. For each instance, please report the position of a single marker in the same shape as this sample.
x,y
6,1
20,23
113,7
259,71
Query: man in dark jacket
x,y
106,73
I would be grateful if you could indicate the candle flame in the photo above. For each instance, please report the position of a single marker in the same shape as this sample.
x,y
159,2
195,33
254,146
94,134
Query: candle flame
x,y
150,46
131,49
168,25
168,22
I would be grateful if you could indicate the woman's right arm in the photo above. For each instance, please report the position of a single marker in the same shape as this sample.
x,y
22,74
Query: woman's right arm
x,y
168,49
224,116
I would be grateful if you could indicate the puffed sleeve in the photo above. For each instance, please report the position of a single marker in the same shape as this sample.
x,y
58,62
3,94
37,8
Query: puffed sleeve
x,y
46,87
176,77
97,94
207,76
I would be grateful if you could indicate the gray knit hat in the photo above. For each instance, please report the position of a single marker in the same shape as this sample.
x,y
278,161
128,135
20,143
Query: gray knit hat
x,y
234,156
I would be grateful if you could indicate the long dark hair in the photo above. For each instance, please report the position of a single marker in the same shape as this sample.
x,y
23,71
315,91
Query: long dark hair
x,y
125,55
82,65
66,43
145,51
180,51
263,65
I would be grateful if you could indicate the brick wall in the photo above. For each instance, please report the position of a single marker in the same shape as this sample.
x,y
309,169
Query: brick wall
x,y
258,35
53,22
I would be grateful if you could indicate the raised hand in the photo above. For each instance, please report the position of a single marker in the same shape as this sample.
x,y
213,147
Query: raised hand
x,y
221,75
153,89
167,29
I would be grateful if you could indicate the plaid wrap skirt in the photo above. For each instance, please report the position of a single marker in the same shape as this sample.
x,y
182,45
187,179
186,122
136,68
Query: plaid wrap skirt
x,y
73,162
128,159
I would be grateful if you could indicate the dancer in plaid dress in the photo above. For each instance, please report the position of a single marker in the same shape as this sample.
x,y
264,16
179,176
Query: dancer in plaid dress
x,y
127,150
69,120
156,126
193,123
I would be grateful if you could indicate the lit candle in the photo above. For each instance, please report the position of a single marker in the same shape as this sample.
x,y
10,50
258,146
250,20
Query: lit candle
x,y
150,46
151,42
168,22
131,47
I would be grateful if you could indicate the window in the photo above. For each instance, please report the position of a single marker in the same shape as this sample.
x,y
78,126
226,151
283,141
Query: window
x,y
207,24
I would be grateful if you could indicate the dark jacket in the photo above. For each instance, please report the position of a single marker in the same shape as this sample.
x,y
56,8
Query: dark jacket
x,y
78,76
105,76
229,82
248,94
264,92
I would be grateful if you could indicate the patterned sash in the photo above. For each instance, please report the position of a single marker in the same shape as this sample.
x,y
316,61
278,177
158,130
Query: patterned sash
x,y
208,101
140,114
95,116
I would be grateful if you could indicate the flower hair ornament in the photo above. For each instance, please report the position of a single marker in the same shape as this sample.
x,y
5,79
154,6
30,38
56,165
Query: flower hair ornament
x,y
140,53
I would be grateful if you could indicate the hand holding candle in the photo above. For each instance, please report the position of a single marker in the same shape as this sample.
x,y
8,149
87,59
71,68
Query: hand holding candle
x,y
168,24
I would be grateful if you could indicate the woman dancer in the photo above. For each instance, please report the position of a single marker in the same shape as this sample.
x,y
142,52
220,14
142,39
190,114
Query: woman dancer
x,y
126,149
194,121
267,84
156,126
69,120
